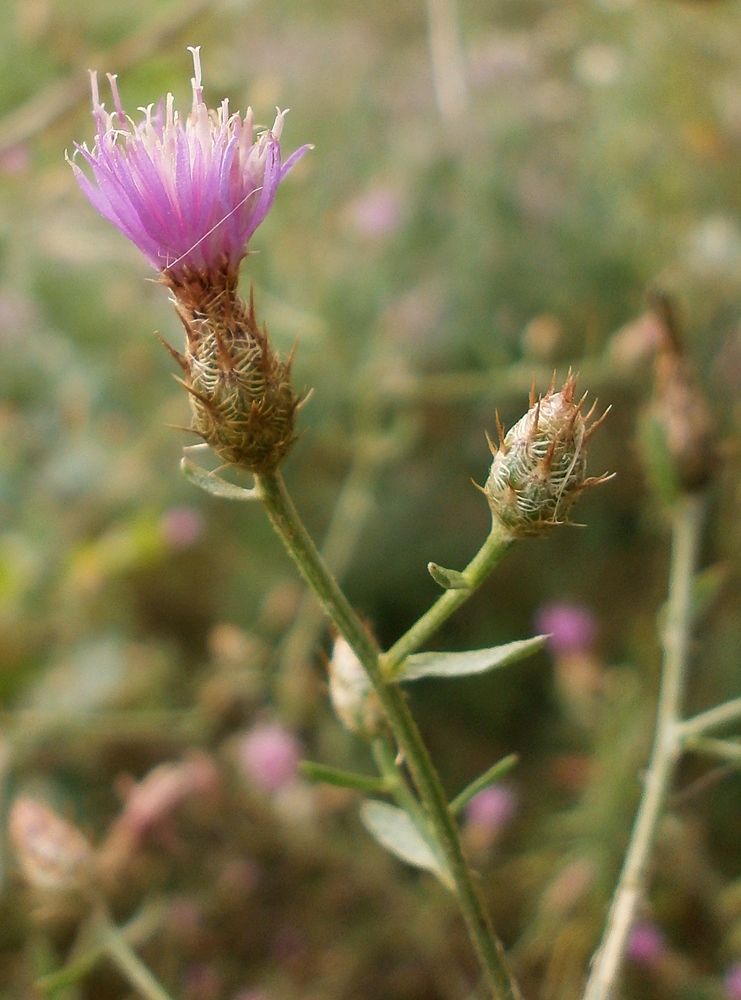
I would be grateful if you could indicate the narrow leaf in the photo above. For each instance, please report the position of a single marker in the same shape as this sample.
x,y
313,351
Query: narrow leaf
x,y
344,779
448,579
393,829
215,485
472,661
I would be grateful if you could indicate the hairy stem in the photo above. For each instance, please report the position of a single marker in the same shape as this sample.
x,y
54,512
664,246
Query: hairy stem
x,y
300,546
667,749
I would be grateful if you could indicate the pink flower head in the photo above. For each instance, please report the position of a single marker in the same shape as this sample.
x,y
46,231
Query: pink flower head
x,y
572,627
188,192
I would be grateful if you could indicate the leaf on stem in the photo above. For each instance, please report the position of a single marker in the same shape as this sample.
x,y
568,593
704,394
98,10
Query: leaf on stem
x,y
393,829
472,661
448,579
215,485
343,779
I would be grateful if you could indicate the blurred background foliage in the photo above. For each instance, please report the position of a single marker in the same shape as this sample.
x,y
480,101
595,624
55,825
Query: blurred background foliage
x,y
493,190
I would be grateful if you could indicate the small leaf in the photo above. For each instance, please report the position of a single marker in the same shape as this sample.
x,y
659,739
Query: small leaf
x,y
448,579
344,779
472,661
215,485
393,829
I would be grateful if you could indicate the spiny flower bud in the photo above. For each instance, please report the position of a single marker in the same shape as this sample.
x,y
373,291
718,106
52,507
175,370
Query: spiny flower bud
x,y
539,468
54,856
351,693
240,391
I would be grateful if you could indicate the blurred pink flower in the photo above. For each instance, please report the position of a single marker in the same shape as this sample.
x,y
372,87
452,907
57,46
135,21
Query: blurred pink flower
x,y
646,943
732,982
492,808
270,756
189,193
377,212
572,627
182,526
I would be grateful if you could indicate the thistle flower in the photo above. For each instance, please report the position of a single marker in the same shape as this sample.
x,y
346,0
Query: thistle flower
x,y
539,468
190,193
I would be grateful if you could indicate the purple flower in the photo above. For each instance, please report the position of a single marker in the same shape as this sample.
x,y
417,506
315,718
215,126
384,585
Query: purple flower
x,y
572,627
188,192
270,756
645,944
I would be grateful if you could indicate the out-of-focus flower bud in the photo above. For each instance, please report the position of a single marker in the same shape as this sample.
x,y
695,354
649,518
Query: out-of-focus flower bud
x,y
351,693
677,432
54,856
150,807
539,468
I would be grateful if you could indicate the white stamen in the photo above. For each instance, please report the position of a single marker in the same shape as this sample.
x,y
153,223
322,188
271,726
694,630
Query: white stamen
x,y
197,80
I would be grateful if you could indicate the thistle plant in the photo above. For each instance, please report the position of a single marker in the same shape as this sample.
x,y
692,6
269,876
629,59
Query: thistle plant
x,y
190,192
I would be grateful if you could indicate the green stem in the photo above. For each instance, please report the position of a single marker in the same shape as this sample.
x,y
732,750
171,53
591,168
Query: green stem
x,y
300,546
123,955
667,749
488,556
714,718
728,750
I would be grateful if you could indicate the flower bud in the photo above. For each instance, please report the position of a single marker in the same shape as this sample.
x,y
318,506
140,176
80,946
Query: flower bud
x,y
677,432
355,702
54,855
240,391
539,469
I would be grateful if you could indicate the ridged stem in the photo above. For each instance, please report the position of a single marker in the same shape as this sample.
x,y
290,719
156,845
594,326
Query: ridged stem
x,y
304,553
667,749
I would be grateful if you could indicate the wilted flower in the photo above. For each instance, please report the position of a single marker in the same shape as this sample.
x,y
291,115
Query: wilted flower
x,y
188,192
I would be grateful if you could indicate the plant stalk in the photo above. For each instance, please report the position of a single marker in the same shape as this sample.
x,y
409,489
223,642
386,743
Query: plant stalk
x,y
310,564
686,530
488,556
